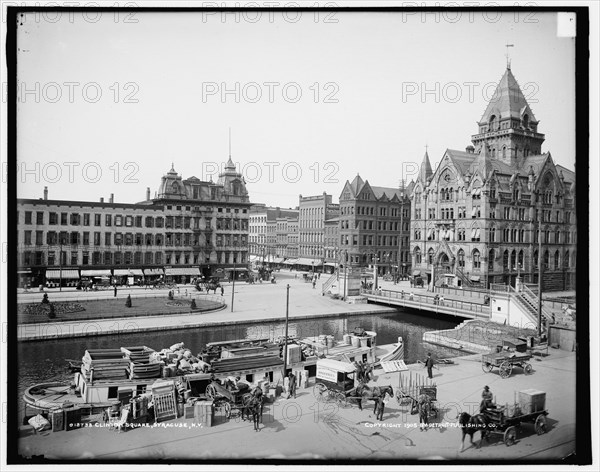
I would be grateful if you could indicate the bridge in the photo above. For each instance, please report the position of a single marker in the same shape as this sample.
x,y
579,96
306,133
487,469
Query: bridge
x,y
425,302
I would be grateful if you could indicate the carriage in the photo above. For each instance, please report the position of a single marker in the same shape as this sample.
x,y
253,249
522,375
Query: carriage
x,y
227,397
335,382
505,361
505,420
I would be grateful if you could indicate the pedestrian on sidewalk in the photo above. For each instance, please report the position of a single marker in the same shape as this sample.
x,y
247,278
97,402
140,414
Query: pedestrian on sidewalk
x,y
222,291
379,407
429,365
115,293
292,380
314,283
442,300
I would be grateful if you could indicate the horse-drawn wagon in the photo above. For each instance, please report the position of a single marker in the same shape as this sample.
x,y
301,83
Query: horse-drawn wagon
x,y
335,381
504,420
228,397
505,361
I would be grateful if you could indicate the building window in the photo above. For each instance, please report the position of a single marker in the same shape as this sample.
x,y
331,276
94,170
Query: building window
x,y
53,217
27,240
430,255
86,238
461,258
108,220
417,255
39,218
476,260
491,260
86,219
97,219
75,219
27,217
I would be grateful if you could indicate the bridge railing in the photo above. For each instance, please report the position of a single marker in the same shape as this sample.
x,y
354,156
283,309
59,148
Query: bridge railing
x,y
421,301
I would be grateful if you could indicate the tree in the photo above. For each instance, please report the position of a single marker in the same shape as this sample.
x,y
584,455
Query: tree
x,y
52,312
170,294
128,301
45,298
193,304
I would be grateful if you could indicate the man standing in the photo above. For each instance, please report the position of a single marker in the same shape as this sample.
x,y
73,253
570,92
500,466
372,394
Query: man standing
x,y
222,291
429,365
115,291
379,407
292,380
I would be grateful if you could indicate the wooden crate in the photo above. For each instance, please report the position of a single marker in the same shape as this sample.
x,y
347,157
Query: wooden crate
x,y
188,411
57,418
532,401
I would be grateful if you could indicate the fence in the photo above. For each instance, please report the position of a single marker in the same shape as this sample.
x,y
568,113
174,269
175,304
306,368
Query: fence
x,y
452,307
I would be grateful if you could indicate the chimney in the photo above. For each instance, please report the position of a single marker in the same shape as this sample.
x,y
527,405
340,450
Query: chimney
x,y
112,198
147,193
45,193
101,199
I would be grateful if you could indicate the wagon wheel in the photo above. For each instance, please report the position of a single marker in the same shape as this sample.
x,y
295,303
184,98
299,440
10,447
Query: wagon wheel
x,y
527,368
341,400
211,392
505,369
510,435
487,367
227,407
319,392
540,424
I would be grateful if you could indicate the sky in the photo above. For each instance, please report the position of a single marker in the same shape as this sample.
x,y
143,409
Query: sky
x,y
108,103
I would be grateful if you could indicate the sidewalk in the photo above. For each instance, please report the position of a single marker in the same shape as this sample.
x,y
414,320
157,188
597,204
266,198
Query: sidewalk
x,y
305,429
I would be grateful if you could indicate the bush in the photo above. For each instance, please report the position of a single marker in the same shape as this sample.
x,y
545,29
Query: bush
x,y
170,294
193,304
128,301
52,312
45,298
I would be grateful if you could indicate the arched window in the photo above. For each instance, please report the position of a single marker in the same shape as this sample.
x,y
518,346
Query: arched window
x,y
430,256
556,260
461,258
525,120
417,255
175,187
535,259
491,259
567,260
513,259
476,259
503,152
505,261
546,259
492,123
521,260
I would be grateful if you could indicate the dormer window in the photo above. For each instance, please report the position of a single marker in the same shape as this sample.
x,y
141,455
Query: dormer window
x,y
492,123
525,121
175,187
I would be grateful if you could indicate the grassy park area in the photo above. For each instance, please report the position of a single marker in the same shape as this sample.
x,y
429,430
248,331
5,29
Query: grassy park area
x,y
113,308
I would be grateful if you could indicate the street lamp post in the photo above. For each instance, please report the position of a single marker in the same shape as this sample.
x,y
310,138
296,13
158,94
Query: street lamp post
x,y
60,270
233,277
345,252
540,271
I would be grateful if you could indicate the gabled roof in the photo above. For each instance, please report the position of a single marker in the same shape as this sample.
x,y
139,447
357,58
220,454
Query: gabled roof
x,y
569,175
508,100
387,191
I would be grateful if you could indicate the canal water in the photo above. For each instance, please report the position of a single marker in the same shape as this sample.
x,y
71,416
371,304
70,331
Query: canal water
x,y
41,361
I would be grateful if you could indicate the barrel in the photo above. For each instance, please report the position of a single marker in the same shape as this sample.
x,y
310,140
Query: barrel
x,y
355,341
329,341
347,339
166,371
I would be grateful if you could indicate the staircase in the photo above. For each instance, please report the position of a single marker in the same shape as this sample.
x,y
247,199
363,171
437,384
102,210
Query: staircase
x,y
466,282
330,281
529,303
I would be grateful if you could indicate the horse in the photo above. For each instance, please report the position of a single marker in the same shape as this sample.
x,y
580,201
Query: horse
x,y
470,425
365,392
253,404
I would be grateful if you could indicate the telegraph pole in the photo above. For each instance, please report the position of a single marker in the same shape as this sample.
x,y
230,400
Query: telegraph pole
x,y
287,313
540,272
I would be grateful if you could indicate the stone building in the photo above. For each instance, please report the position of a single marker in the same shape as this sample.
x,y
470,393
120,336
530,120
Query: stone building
x,y
314,212
476,218
190,228
268,233
374,227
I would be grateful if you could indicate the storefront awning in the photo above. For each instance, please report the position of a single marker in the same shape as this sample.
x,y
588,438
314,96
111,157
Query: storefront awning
x,y
305,261
278,260
148,272
24,271
66,274
182,271
290,261
475,278
331,264
416,273
95,273
253,258
237,269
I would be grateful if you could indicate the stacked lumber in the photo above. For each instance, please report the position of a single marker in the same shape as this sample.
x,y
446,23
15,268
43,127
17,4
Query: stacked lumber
x,y
245,363
142,362
106,364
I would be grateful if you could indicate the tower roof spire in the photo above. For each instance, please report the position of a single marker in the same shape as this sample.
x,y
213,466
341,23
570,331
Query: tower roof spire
x,y
508,56
425,172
